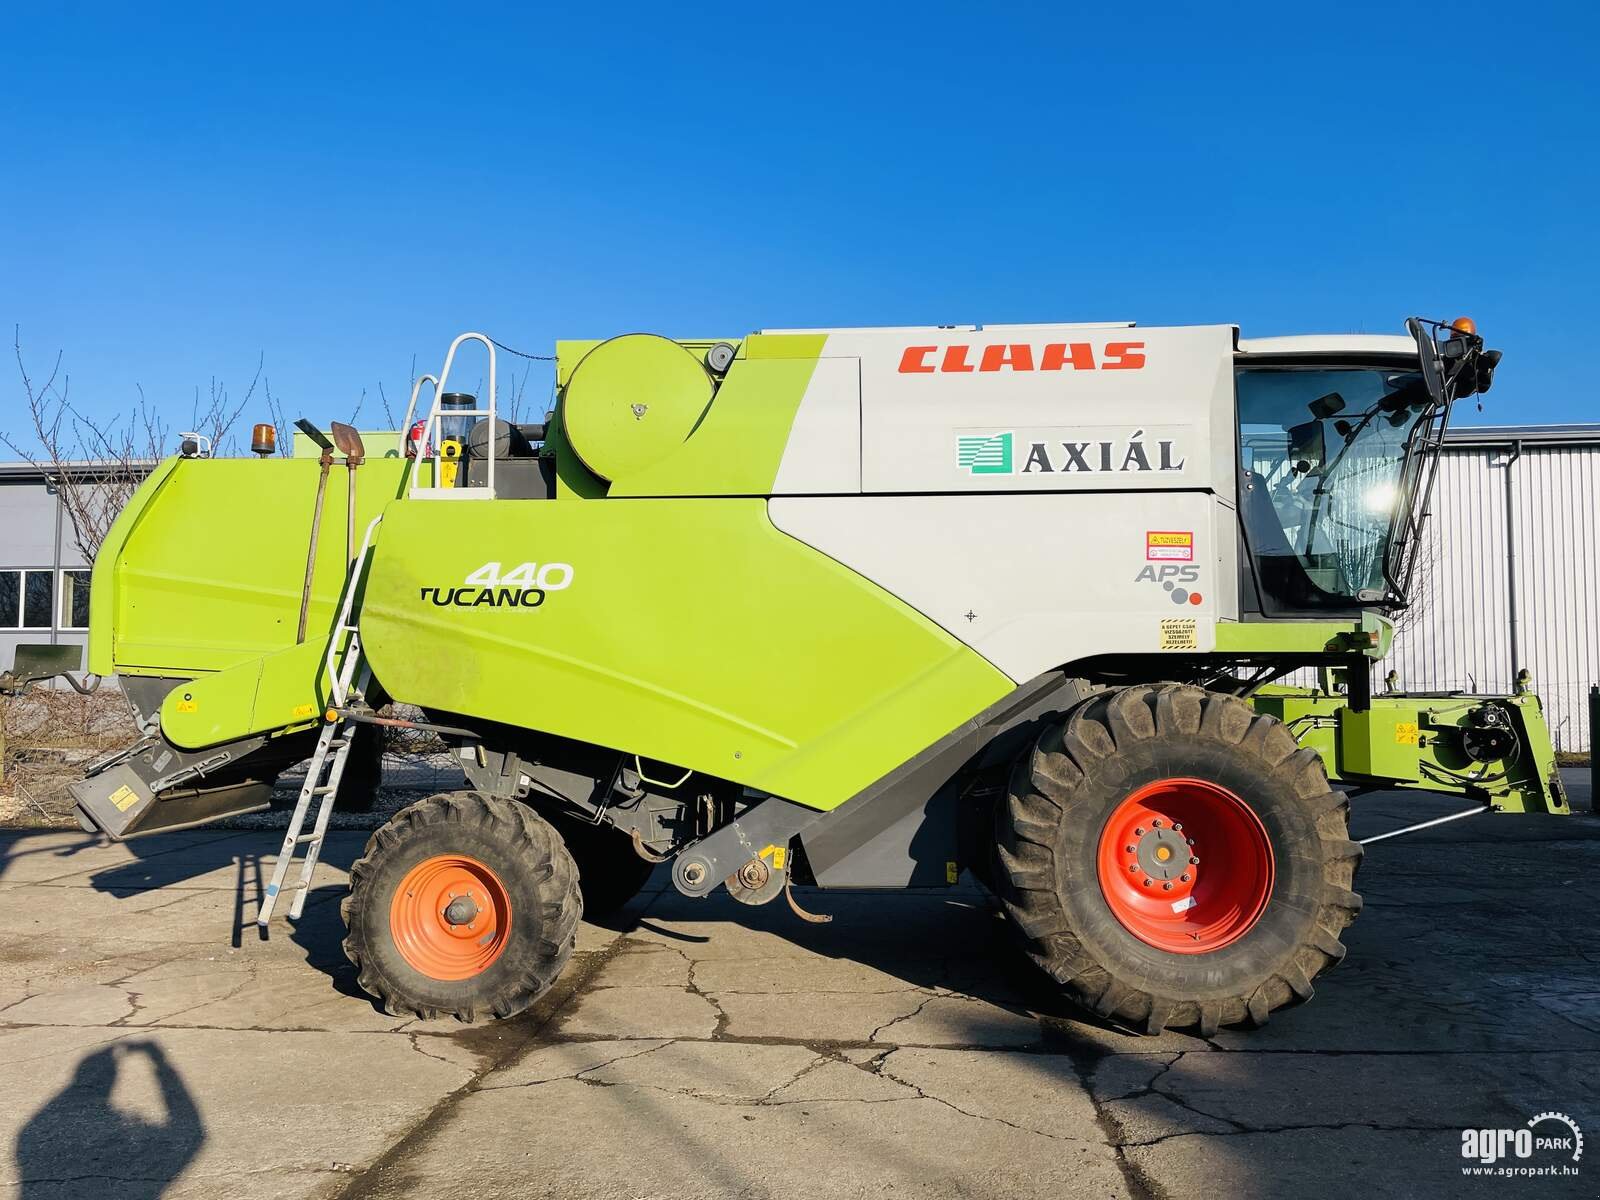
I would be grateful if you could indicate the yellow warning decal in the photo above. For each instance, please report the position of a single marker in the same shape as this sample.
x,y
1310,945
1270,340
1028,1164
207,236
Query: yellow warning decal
x,y
1180,633
1406,733
187,705
951,872
302,712
1169,545
777,854
123,798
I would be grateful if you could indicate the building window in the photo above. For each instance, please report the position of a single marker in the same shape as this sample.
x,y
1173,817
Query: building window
x,y
75,599
27,599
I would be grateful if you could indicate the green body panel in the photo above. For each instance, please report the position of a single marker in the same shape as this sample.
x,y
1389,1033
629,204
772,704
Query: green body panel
x,y
1408,741
1371,635
1378,742
259,695
632,402
692,632
103,597
203,569
378,443
736,448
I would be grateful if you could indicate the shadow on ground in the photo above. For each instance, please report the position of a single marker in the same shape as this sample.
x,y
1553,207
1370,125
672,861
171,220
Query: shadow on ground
x,y
79,1141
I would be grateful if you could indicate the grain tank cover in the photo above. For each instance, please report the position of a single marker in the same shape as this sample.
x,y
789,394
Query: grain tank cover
x,y
632,401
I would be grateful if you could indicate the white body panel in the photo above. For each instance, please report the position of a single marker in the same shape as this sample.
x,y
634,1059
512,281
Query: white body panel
x,y
1043,408
823,453
1034,581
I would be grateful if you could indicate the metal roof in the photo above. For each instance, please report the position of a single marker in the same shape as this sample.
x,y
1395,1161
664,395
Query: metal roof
x,y
28,470
1505,435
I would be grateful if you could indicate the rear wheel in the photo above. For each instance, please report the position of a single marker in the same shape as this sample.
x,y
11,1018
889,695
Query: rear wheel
x,y
462,904
363,770
1174,858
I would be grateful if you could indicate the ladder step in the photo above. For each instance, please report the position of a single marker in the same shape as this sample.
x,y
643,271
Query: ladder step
x,y
306,837
321,791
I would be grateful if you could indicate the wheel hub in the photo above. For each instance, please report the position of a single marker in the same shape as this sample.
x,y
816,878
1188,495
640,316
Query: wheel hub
x,y
450,917
1162,854
461,911
1149,865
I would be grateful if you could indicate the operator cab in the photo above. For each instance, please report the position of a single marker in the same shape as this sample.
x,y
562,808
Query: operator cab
x,y
1338,442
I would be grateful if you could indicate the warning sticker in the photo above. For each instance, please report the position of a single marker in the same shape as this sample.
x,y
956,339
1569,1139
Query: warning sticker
x,y
123,798
1180,633
1168,545
301,711
1406,733
187,705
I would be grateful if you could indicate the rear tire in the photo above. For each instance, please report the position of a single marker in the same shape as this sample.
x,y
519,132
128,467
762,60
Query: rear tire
x,y
1092,805
363,770
462,904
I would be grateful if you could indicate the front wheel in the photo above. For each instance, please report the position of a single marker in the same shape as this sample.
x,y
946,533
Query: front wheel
x,y
1174,858
462,904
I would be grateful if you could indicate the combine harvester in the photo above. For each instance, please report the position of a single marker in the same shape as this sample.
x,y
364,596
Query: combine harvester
x,y
852,608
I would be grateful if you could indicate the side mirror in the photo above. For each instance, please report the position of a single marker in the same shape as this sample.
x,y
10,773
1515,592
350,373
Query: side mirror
x,y
1327,406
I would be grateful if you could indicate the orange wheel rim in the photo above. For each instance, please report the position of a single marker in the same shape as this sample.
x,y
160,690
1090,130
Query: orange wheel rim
x,y
450,917
1185,865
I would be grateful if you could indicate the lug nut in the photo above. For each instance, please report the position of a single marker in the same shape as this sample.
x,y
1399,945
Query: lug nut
x,y
1189,840
1166,887
1129,849
1176,827
1147,883
1193,861
1156,822
1184,878
1134,867
1138,831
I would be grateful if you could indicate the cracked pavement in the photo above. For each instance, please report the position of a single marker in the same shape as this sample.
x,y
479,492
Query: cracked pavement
x,y
153,1044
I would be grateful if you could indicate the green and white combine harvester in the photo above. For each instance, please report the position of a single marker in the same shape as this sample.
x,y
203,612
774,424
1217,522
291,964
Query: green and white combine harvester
x,y
847,608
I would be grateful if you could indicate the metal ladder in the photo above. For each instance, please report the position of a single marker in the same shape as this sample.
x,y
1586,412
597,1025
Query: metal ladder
x,y
326,769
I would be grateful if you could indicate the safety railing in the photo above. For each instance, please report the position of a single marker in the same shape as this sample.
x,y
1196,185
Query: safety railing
x,y
429,446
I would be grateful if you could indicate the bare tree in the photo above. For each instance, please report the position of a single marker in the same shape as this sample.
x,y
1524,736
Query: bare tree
x,y
97,466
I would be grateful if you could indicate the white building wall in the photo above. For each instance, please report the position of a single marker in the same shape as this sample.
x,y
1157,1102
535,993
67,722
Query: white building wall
x,y
1459,632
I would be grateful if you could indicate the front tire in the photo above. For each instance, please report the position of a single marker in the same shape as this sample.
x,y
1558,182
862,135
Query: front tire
x,y
462,904
1173,858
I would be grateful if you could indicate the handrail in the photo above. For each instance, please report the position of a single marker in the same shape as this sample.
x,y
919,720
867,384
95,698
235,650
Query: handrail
x,y
336,682
436,413
411,409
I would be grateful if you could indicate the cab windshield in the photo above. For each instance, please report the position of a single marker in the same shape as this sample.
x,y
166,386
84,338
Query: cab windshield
x,y
1327,474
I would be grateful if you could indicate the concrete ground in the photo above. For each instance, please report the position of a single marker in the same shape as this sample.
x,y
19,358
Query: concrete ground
x,y
152,1044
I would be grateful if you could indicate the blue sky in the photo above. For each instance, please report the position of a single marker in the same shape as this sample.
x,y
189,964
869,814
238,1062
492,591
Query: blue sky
x,y
339,189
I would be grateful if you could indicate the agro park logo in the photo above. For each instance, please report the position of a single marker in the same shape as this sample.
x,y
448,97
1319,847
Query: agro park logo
x,y
995,454
1549,1144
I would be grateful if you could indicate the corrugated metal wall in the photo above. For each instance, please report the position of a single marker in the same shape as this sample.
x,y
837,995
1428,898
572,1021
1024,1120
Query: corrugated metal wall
x,y
1458,635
